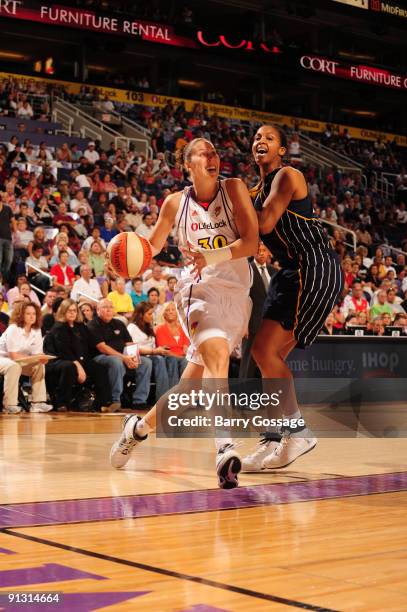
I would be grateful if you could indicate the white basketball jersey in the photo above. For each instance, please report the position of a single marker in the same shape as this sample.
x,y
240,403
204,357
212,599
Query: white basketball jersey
x,y
212,226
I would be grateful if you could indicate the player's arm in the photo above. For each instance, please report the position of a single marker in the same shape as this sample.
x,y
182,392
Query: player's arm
x,y
245,218
165,222
283,189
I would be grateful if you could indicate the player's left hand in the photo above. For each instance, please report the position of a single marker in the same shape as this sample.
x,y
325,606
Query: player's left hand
x,y
195,258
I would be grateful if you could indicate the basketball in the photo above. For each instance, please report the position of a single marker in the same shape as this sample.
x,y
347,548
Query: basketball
x,y
129,254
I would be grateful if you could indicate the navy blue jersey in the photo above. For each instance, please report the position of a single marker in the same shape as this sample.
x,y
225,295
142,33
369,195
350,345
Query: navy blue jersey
x,y
310,281
298,231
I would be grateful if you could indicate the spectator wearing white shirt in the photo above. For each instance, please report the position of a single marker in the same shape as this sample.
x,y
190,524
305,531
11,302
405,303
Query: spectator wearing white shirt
x,y
154,301
146,226
313,188
107,105
86,285
95,236
20,340
25,111
22,236
79,201
389,265
14,293
329,214
11,145
156,280
132,216
90,153
401,213
81,180
30,154
394,302
39,262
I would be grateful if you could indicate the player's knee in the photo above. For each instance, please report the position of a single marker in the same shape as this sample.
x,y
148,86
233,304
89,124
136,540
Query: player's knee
x,y
260,355
219,361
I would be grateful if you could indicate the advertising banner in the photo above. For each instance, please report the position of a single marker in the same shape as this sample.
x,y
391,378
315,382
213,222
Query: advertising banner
x,y
389,8
84,19
363,4
230,112
334,370
356,72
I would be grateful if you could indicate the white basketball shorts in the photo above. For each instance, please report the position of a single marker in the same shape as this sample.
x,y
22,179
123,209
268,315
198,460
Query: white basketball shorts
x,y
212,309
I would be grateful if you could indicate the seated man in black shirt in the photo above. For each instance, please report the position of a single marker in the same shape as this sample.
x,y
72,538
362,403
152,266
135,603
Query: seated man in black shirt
x,y
170,256
110,337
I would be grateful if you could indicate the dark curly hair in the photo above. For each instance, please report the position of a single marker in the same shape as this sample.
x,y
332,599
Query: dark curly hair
x,y
281,134
17,315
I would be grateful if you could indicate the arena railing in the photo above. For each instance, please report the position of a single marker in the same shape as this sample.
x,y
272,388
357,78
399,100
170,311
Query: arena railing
x,y
112,118
92,127
131,123
66,116
89,297
343,162
344,230
383,185
39,271
387,248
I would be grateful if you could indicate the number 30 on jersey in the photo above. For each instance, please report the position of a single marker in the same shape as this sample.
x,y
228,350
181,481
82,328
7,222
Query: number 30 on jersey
x,y
213,242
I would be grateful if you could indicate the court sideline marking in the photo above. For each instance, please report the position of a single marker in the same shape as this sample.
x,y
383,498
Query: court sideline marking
x,y
170,573
48,513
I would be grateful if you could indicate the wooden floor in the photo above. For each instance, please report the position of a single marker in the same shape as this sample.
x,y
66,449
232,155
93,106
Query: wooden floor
x,y
327,533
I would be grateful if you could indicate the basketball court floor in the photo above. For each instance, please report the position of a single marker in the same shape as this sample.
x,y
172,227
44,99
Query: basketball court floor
x,y
327,533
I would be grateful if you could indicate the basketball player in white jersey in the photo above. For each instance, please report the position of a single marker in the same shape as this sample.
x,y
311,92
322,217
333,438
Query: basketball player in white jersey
x,y
217,227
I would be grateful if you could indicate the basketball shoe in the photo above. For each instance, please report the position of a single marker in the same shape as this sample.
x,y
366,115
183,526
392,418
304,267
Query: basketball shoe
x,y
264,448
290,448
228,466
40,407
12,409
122,448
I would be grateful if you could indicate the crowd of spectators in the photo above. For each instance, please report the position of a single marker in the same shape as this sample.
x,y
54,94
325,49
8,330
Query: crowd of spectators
x,y
59,208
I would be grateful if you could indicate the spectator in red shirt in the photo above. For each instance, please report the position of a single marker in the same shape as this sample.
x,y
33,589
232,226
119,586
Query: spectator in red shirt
x,y
63,273
62,216
171,336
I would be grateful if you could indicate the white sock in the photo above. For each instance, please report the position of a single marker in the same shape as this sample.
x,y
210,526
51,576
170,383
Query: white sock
x,y
219,442
143,428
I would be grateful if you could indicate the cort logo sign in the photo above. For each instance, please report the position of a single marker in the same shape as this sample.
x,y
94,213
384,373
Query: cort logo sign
x,y
246,45
319,64
9,7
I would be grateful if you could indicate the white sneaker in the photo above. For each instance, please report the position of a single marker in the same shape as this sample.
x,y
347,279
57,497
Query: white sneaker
x,y
121,450
253,462
12,409
40,407
228,466
290,448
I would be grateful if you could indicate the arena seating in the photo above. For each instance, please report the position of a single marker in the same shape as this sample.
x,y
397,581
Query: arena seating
x,y
136,186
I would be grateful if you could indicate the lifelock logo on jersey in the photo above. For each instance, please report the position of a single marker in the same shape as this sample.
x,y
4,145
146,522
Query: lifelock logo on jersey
x,y
207,226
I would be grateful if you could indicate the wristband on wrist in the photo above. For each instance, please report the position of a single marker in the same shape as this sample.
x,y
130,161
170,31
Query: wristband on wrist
x,y
217,256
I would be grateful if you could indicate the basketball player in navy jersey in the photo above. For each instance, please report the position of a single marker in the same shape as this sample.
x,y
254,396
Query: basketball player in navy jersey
x,y
300,295
216,223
